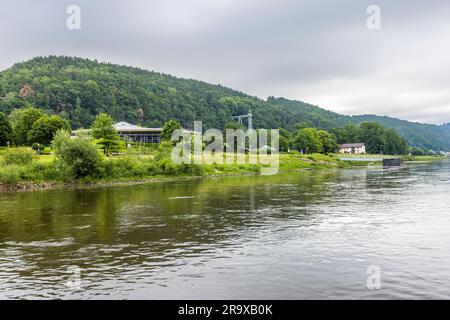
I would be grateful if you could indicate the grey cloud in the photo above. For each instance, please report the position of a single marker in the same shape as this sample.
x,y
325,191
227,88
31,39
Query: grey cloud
x,y
317,51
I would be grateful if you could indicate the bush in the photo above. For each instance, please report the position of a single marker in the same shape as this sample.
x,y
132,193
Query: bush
x,y
79,156
10,173
32,172
18,156
124,168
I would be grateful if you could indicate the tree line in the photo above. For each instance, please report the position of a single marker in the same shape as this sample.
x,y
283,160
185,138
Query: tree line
x,y
377,139
32,127
79,89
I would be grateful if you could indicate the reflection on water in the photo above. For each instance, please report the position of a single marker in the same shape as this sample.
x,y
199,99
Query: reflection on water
x,y
291,236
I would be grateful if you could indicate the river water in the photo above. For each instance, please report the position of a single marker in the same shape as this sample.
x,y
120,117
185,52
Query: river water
x,y
358,234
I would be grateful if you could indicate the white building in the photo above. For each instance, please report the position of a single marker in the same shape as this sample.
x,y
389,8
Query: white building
x,y
352,148
130,133
135,133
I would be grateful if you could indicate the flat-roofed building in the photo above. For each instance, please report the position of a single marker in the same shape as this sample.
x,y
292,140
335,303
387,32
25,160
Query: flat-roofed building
x,y
131,132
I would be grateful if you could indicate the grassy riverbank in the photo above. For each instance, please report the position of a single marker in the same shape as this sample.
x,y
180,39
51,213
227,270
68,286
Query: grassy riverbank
x,y
147,165
377,159
384,156
143,165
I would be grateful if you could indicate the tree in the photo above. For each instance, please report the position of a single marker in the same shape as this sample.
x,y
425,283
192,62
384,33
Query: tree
x,y
307,141
45,128
5,130
11,100
328,141
93,85
14,117
372,134
416,151
27,117
168,129
106,136
347,134
394,143
285,138
303,125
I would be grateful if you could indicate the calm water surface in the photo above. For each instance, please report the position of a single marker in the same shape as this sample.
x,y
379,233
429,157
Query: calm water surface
x,y
298,235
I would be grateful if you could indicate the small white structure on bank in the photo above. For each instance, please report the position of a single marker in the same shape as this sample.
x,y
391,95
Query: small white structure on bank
x,y
352,148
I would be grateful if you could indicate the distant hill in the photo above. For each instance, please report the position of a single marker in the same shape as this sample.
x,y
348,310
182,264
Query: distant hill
x,y
78,89
417,134
446,126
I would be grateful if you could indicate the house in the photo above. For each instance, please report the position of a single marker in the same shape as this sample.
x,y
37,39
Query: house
x,y
352,148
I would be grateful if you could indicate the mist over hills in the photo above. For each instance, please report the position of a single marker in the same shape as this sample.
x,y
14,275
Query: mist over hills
x,y
78,89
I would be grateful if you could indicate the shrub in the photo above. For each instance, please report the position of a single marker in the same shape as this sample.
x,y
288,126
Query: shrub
x,y
192,169
167,167
124,167
18,156
10,173
79,155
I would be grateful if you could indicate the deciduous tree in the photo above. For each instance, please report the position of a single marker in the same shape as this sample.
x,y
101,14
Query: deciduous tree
x,y
6,133
105,135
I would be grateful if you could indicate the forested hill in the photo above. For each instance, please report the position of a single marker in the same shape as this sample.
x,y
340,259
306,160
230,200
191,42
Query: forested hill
x,y
78,89
417,134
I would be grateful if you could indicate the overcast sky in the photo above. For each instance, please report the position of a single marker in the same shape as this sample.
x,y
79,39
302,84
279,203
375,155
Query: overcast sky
x,y
317,51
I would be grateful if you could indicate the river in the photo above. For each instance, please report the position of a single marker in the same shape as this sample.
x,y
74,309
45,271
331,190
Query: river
x,y
306,235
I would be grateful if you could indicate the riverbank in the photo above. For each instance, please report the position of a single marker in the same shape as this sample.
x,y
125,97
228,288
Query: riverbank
x,y
46,173
134,169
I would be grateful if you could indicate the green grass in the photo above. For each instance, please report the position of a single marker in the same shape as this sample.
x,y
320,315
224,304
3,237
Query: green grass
x,y
43,159
137,166
384,156
149,163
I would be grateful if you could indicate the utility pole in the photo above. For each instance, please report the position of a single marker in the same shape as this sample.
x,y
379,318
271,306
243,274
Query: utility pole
x,y
248,116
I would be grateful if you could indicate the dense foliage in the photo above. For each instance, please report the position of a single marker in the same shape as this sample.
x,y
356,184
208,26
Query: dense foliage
x,y
307,140
32,127
79,89
24,123
79,156
168,129
6,133
18,156
43,129
378,139
106,136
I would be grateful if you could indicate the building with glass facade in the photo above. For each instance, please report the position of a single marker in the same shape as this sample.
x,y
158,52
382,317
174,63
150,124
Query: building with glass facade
x,y
132,133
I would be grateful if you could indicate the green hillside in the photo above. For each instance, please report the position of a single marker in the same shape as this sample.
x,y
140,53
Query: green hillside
x,y
417,134
78,89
